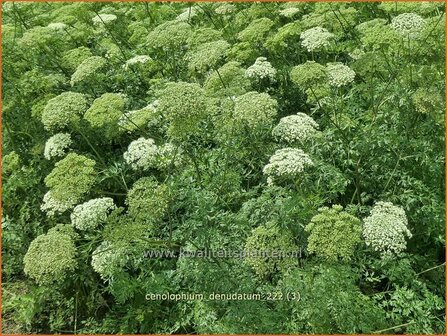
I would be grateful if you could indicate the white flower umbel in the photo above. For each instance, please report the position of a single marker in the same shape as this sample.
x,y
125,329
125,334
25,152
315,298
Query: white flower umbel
x,y
339,74
385,230
187,14
316,38
169,155
135,60
57,26
142,154
408,24
57,145
295,128
104,18
91,214
107,259
51,206
255,109
261,69
225,8
287,163
137,119
87,69
289,12
356,54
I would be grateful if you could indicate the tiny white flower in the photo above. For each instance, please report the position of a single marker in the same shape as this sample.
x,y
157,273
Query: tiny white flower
x,y
187,14
225,8
339,74
261,69
104,18
287,163
135,60
57,145
52,206
385,229
107,259
57,26
92,213
142,154
289,12
408,24
295,128
316,38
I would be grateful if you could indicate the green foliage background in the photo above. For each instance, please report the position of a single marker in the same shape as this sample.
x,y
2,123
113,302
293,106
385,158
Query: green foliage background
x,y
381,139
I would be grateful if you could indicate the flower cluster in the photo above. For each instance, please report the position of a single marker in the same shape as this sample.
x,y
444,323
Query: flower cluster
x,y
339,74
308,74
408,24
63,110
287,163
73,57
377,34
107,259
138,32
142,154
147,200
316,38
50,257
170,34
169,155
89,67
334,233
207,55
243,52
10,163
139,59
203,35
428,100
71,178
425,7
256,30
133,120
356,54
91,214
225,8
261,69
112,50
289,12
367,25
285,38
103,18
269,240
385,229
231,73
295,128
57,145
38,36
185,106
187,14
52,206
255,109
105,113
57,26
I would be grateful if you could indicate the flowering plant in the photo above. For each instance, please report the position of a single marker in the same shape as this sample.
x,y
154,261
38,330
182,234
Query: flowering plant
x,y
149,146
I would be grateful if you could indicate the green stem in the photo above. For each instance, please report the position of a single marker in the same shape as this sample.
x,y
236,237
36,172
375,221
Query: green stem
x,y
430,269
